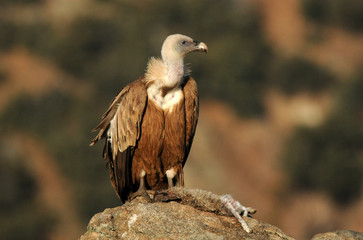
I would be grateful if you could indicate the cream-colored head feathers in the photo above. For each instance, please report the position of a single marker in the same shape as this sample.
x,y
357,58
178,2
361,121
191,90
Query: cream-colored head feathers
x,y
176,46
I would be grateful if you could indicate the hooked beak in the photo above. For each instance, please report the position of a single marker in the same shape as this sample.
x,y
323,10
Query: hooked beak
x,y
201,46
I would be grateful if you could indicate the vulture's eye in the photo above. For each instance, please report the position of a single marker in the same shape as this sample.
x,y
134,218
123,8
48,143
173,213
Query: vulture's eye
x,y
185,43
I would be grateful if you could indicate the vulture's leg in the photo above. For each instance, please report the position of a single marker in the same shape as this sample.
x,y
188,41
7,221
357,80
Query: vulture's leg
x,y
170,174
142,188
170,183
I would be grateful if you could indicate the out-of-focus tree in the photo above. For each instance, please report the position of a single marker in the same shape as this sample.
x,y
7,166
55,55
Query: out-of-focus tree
x,y
22,214
330,158
19,2
346,14
295,75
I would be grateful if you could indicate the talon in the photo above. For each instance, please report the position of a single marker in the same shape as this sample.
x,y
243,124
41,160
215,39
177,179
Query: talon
x,y
166,196
141,192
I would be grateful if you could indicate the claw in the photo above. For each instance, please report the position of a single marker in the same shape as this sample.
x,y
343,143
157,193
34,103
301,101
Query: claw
x,y
141,192
166,196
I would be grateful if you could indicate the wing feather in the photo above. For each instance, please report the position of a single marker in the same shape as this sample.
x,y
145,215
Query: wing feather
x,y
121,124
191,113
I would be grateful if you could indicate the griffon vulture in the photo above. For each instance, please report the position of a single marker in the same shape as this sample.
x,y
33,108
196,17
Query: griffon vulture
x,y
150,125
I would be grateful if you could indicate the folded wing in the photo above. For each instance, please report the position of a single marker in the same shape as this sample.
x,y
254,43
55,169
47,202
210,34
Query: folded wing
x,y
121,126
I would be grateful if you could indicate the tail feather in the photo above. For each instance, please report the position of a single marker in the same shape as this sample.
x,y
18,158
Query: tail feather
x,y
119,170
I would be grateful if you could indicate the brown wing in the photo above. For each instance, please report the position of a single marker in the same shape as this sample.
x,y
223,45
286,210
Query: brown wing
x,y
191,113
123,120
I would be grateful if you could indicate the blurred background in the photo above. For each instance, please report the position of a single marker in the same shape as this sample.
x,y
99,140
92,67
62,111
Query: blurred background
x,y
281,110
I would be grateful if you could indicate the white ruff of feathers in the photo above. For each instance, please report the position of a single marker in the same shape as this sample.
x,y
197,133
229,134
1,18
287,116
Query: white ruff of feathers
x,y
157,72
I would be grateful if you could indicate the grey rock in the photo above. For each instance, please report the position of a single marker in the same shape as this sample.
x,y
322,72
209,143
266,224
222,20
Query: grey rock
x,y
183,219
339,235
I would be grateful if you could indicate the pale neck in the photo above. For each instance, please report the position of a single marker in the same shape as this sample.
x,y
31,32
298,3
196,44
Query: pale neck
x,y
175,72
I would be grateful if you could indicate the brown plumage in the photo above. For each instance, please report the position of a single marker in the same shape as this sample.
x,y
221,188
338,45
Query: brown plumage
x,y
150,125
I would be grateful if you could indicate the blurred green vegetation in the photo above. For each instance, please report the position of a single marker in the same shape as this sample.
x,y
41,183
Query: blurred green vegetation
x,y
2,77
38,115
295,75
329,158
35,36
15,2
111,50
22,214
346,14
64,123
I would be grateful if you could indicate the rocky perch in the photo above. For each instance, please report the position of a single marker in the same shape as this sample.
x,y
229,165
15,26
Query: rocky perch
x,y
192,214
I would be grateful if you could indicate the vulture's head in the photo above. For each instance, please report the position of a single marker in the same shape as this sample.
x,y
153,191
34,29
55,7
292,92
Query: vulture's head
x,y
176,46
